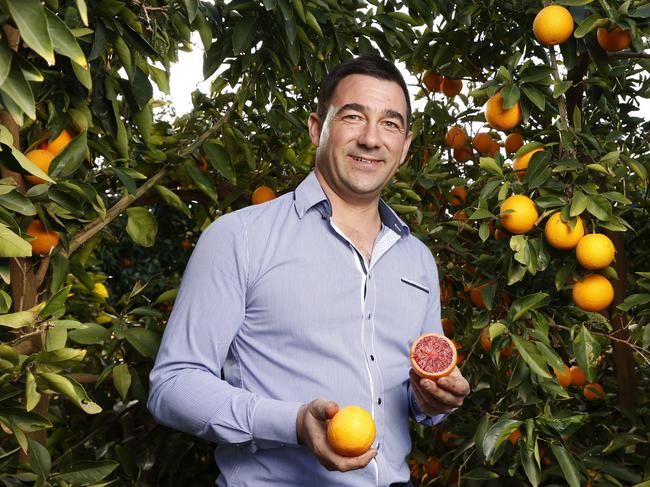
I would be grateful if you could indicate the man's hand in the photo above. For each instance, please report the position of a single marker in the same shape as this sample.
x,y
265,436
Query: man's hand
x,y
311,428
440,396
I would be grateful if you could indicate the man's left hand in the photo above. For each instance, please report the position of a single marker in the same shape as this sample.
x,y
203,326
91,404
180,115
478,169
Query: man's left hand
x,y
439,396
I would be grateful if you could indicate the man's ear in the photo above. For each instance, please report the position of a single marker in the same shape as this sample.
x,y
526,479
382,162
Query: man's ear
x,y
405,148
315,128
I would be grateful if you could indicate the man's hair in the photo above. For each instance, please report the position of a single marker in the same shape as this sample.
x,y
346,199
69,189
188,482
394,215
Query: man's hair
x,y
369,65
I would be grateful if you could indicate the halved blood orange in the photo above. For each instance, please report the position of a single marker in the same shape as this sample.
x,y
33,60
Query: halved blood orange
x,y
433,356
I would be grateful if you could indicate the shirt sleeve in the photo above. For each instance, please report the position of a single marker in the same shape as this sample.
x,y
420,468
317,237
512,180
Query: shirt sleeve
x,y
187,392
431,324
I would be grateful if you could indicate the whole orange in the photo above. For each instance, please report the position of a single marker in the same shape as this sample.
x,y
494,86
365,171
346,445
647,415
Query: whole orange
x,y
351,431
593,293
613,40
501,118
455,137
523,216
451,87
560,235
553,25
577,376
432,80
59,143
262,195
563,376
594,391
483,142
521,163
513,142
44,240
43,159
595,251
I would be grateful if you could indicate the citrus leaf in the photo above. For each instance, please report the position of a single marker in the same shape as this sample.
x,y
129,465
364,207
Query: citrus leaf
x,y
192,7
30,19
578,203
244,34
12,245
72,390
220,160
561,87
496,435
531,467
19,319
599,207
39,459
16,201
83,11
5,62
535,73
63,40
633,300
534,96
142,226
490,165
511,94
586,350
85,78
168,295
19,91
87,471
567,464
122,379
532,356
173,200
144,341
32,396
89,334
589,24
202,182
524,304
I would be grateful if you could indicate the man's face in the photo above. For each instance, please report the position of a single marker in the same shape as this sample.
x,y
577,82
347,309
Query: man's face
x,y
363,140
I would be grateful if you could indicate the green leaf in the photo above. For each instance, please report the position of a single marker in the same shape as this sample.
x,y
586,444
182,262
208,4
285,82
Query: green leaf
x,y
202,182
19,319
55,338
561,87
146,342
586,350
5,302
531,467
578,203
83,11
634,300
5,63
142,226
168,295
490,165
56,302
534,96
599,207
533,74
496,435
511,94
70,158
480,214
30,19
192,6
220,160
19,91
87,471
89,334
567,464
587,25
573,3
244,34
72,390
122,379
85,78
39,459
532,356
12,245
642,12
63,40
172,199
16,201
32,396
523,305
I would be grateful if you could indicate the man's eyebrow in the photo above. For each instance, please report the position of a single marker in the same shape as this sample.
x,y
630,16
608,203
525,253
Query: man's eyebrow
x,y
358,107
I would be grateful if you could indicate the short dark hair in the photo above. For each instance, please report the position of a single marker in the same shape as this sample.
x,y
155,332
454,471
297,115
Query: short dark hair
x,y
368,64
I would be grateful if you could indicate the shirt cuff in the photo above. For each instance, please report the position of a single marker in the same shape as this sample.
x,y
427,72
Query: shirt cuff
x,y
423,418
274,423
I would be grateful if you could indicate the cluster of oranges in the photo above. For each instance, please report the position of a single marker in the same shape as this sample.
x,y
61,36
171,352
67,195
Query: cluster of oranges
x,y
575,376
45,153
435,83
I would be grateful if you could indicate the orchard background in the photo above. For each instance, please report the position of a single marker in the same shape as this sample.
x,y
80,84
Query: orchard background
x,y
117,210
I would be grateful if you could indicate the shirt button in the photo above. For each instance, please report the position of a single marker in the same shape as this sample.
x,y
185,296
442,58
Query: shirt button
x,y
379,401
369,315
372,357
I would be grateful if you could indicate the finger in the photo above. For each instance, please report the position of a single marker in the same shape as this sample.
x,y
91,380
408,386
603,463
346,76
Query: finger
x,y
433,392
322,409
345,464
455,383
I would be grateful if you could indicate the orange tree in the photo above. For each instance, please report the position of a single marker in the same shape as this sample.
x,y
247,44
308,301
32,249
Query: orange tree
x,y
527,309
127,186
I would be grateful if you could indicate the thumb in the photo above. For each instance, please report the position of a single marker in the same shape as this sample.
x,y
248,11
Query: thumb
x,y
323,409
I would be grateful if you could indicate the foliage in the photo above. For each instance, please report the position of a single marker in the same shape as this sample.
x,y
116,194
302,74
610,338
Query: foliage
x,y
132,191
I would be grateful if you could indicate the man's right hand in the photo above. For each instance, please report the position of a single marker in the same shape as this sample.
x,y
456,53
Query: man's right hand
x,y
311,429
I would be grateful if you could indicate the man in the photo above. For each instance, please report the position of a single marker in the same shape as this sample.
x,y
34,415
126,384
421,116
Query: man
x,y
316,294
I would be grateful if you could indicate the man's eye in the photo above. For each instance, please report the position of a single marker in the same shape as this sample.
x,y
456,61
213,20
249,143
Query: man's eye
x,y
352,116
391,125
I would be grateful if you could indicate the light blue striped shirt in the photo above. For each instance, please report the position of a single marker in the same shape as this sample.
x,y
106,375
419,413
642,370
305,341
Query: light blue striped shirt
x,y
280,300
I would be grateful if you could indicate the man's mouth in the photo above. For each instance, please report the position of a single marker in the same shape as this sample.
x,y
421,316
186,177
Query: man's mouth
x,y
365,160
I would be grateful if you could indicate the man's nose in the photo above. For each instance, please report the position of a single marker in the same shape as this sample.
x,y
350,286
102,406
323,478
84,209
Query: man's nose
x,y
369,136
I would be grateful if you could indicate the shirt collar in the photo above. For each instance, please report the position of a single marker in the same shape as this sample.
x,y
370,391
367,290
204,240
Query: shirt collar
x,y
309,194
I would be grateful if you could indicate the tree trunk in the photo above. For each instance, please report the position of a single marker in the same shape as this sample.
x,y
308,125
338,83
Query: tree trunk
x,y
623,358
